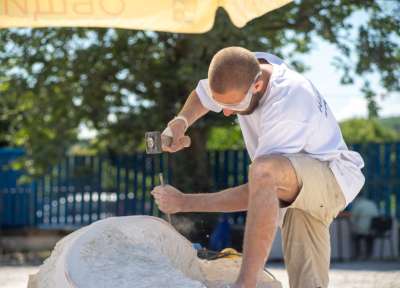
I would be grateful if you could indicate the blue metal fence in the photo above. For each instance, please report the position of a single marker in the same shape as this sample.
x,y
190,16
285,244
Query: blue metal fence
x,y
8,176
80,190
15,199
83,189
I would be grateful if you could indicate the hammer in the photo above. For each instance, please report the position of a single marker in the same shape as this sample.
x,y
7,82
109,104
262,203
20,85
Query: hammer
x,y
154,142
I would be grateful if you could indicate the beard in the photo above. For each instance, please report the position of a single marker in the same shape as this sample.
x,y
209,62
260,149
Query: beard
x,y
255,101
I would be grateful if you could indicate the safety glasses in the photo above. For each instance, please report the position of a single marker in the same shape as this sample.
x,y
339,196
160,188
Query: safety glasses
x,y
245,103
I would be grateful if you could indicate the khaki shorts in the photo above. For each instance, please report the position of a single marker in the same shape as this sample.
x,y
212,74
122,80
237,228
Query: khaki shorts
x,y
305,229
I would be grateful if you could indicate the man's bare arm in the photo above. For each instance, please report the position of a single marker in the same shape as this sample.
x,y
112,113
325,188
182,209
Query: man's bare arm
x,y
228,200
171,200
193,109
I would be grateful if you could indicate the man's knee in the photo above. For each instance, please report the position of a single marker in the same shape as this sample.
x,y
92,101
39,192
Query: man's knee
x,y
265,169
277,173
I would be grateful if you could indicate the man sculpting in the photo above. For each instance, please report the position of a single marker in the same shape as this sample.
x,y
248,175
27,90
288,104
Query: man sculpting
x,y
300,163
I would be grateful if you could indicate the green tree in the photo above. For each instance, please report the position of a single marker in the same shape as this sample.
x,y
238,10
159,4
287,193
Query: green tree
x,y
222,138
372,105
367,130
391,122
123,83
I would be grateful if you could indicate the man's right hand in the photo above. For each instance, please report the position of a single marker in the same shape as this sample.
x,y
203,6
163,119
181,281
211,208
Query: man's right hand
x,y
168,199
176,130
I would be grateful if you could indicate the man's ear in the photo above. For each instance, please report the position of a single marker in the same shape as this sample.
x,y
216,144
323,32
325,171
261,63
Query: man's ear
x,y
258,86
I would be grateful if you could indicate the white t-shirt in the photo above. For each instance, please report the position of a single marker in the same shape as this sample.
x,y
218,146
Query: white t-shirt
x,y
292,117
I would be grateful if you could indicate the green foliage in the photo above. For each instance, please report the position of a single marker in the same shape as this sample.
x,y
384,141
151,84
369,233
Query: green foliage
x,y
122,82
83,148
391,122
367,130
221,138
372,105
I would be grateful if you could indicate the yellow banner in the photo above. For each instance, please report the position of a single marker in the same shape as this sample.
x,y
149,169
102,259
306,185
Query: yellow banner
x,y
185,16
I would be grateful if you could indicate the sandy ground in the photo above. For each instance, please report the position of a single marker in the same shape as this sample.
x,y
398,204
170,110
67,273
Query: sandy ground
x,y
343,275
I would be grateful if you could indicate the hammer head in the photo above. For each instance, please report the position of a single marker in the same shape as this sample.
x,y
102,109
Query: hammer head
x,y
154,142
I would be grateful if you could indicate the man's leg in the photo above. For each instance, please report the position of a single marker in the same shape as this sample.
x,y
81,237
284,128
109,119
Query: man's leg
x,y
269,178
306,247
305,230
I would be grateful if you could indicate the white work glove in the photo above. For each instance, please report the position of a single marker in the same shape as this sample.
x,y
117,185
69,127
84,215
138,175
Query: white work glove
x,y
176,130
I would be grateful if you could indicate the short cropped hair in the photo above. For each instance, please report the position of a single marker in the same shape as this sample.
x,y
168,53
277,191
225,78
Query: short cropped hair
x,y
232,68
